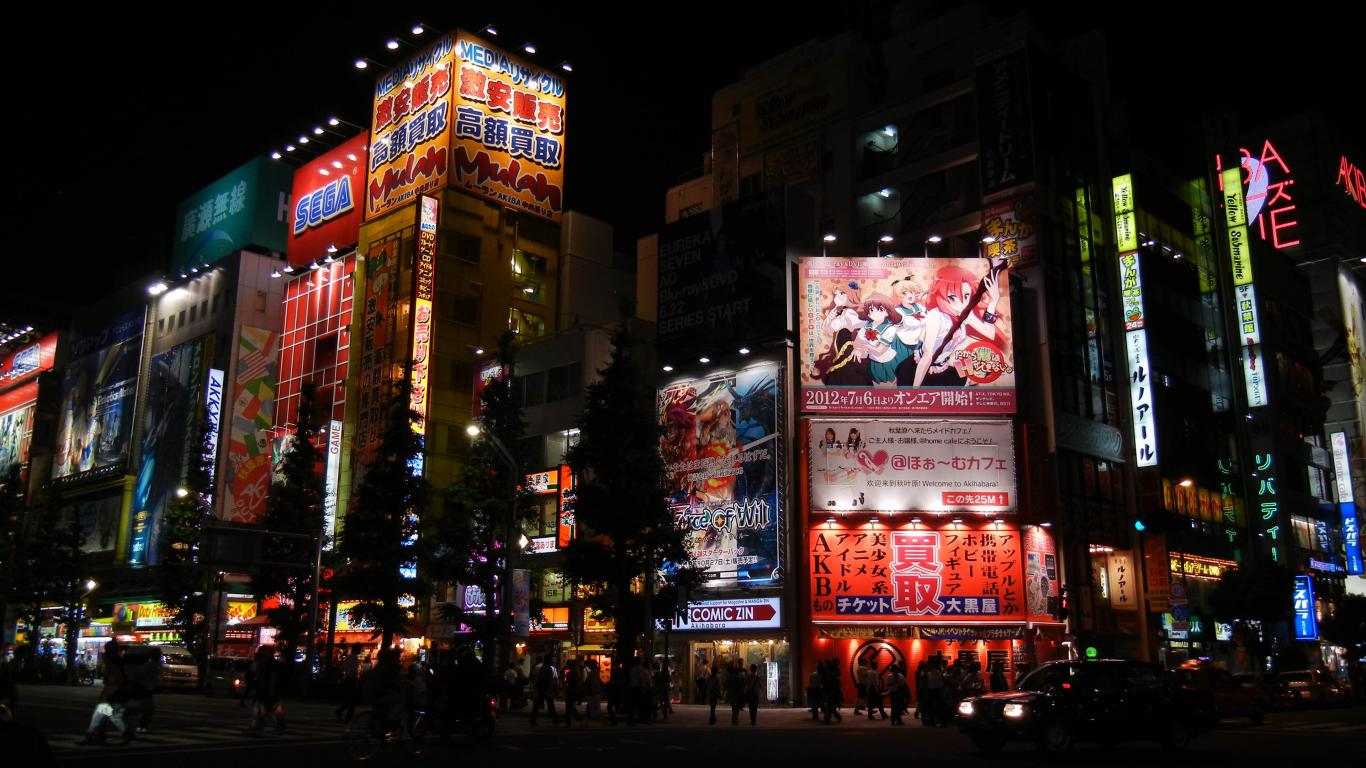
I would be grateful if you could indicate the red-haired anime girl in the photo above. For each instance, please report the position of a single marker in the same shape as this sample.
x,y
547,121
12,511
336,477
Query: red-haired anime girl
x,y
950,293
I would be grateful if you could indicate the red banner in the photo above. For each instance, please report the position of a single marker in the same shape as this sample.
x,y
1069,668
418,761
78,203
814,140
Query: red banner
x,y
326,202
953,573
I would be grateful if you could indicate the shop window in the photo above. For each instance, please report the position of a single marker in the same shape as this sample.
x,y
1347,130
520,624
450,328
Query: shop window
x,y
525,324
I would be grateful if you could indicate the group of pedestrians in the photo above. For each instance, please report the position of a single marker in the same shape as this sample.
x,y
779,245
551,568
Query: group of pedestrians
x,y
740,687
940,685
635,693
129,678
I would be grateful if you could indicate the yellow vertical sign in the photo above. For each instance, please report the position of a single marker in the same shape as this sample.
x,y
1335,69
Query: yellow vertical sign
x,y
1235,219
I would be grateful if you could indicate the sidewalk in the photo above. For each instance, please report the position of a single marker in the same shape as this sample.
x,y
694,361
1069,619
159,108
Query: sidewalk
x,y
696,716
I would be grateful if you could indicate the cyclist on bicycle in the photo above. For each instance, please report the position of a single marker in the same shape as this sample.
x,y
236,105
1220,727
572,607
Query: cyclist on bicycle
x,y
384,688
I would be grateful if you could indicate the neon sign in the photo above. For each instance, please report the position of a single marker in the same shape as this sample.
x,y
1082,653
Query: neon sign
x,y
1306,623
1351,532
1352,181
1135,338
1265,196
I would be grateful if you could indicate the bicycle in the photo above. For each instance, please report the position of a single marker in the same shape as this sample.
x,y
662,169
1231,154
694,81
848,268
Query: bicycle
x,y
85,675
366,735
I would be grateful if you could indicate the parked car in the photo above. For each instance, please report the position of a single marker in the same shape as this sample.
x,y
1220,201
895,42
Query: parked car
x,y
1105,701
178,668
225,677
1276,694
1318,687
1231,699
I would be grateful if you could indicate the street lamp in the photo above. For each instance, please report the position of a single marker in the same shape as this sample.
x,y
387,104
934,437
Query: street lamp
x,y
884,240
932,240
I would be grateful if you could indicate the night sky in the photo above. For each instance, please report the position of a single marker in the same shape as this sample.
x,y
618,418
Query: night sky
x,y
113,119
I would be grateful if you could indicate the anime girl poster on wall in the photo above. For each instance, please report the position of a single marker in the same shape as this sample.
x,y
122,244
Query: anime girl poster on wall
x,y
906,336
722,450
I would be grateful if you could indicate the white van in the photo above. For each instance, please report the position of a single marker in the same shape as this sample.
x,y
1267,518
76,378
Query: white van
x,y
178,668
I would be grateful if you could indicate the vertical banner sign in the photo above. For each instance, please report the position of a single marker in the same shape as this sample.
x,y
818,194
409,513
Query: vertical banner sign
x,y
508,136
1240,258
1041,574
332,484
410,131
1158,574
424,288
564,525
1119,568
1004,124
722,449
213,411
521,602
1306,622
1135,337
377,338
253,415
1351,532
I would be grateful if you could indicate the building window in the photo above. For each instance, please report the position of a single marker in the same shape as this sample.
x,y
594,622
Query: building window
x,y
525,324
194,310
534,391
462,375
563,382
467,248
161,327
204,308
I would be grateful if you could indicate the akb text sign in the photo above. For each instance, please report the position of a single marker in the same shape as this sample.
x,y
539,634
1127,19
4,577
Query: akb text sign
x,y
753,613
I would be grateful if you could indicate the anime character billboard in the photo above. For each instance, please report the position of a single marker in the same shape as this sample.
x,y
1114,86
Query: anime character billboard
x,y
723,461
906,336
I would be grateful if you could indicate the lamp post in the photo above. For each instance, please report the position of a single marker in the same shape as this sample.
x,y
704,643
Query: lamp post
x,y
826,242
509,525
882,241
932,240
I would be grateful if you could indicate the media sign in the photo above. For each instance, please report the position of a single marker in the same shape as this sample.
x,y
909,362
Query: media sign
x,y
1351,529
922,466
326,202
410,131
724,468
901,336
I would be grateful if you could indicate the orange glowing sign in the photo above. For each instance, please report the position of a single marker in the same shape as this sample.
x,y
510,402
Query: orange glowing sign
x,y
239,611
410,129
507,142
953,573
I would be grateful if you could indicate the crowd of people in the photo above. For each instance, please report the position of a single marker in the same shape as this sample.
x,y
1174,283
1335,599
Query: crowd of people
x,y
638,692
937,687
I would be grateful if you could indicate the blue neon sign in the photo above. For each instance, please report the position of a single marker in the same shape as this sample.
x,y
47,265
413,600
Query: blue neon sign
x,y
1306,625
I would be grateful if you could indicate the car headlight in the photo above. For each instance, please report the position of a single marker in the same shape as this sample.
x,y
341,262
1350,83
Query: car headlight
x,y
965,708
1014,710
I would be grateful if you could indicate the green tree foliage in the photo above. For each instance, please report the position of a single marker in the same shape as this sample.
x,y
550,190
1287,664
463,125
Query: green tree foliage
x,y
50,568
183,580
626,531
11,518
295,508
1347,625
379,539
472,531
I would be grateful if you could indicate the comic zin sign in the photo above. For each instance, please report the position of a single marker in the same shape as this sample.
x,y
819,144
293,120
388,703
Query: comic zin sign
x,y
954,572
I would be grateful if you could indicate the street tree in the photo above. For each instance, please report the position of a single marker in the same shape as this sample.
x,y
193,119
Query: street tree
x,y
11,518
50,568
1253,598
379,539
182,577
294,513
475,529
627,534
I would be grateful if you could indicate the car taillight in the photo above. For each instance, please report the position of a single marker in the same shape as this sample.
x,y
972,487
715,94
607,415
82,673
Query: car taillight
x,y
236,683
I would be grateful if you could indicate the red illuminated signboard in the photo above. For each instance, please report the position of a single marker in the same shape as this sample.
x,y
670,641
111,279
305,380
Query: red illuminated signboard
x,y
423,290
955,572
1270,195
1352,182
326,202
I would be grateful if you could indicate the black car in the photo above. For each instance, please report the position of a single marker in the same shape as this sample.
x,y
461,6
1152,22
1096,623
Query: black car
x,y
1105,701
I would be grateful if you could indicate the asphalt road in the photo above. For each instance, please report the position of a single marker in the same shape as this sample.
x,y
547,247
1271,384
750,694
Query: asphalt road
x,y
193,730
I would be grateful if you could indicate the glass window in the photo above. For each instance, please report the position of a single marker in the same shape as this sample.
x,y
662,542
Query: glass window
x,y
525,324
563,382
535,388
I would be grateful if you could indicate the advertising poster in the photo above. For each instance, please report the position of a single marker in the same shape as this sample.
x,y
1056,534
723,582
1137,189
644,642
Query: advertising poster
x,y
95,425
1120,576
903,336
721,274
410,130
1041,574
723,459
169,430
1354,323
253,415
377,337
508,134
245,207
27,362
922,466
16,430
99,518
953,572
326,200
1012,223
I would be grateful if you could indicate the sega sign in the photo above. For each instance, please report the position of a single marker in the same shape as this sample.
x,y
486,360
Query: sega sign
x,y
323,204
323,211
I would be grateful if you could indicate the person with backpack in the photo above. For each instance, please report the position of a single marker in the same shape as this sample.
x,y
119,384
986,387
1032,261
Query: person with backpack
x,y
896,693
860,687
546,680
735,691
752,683
873,694
713,693
113,696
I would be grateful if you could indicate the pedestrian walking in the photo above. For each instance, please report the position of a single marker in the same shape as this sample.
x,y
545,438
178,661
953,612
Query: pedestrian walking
x,y
592,691
700,683
896,692
616,692
934,694
922,690
143,680
546,681
752,693
713,693
813,692
860,686
832,691
268,701
9,685
350,685
638,701
873,697
572,682
507,691
735,691
663,699
998,677
113,696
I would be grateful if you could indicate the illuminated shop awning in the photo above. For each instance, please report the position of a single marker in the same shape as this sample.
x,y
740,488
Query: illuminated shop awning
x,y
914,632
